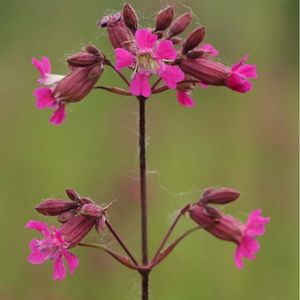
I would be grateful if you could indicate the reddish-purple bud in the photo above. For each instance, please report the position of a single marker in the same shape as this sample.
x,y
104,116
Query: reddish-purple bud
x,y
90,55
77,228
219,196
54,207
91,210
193,40
180,24
120,36
72,194
205,70
130,17
164,19
200,215
78,83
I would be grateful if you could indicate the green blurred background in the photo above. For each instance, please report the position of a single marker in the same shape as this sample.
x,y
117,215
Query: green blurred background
x,y
248,142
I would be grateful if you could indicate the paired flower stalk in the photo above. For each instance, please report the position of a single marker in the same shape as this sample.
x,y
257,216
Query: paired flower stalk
x,y
159,60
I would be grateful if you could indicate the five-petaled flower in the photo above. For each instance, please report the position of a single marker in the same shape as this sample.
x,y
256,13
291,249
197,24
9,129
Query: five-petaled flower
x,y
149,56
52,247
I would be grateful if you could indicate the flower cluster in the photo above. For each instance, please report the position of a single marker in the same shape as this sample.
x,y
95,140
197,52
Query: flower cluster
x,y
78,216
226,227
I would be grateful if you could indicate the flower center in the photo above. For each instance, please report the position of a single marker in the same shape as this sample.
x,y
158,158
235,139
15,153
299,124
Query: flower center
x,y
145,61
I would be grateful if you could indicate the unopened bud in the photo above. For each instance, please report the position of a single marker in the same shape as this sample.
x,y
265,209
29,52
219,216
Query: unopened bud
x,y
199,214
164,19
220,196
89,56
180,24
120,36
205,70
193,40
130,17
54,207
72,194
91,210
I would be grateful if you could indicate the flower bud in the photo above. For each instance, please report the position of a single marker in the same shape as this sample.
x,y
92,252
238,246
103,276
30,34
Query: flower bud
x,y
91,210
220,196
180,24
72,194
193,40
195,54
205,70
200,215
78,83
164,19
90,55
119,34
77,228
54,207
130,17
176,40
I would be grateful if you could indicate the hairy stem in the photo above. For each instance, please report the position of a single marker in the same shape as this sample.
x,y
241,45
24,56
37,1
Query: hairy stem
x,y
121,243
143,196
114,90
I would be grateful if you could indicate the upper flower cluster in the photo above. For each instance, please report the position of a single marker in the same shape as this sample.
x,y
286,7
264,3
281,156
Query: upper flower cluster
x,y
182,64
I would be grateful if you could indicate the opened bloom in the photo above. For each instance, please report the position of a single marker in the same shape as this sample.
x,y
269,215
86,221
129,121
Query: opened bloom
x,y
147,56
228,228
238,78
52,247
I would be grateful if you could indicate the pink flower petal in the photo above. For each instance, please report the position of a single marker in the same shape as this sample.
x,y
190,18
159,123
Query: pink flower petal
x,y
72,261
140,86
171,75
39,226
145,40
213,52
238,259
44,97
185,99
248,70
43,66
59,269
36,256
165,50
240,63
256,224
59,115
124,59
238,82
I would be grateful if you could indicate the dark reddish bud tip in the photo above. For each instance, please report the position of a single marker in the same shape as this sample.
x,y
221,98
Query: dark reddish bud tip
x,y
176,40
86,201
220,196
104,21
164,19
193,40
72,194
180,24
130,17
54,207
195,54
159,34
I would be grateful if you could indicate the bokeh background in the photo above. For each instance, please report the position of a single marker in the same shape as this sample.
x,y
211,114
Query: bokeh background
x,y
248,142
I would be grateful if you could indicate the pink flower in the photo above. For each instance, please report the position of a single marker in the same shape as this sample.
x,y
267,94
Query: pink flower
x,y
149,56
248,246
52,247
237,79
226,227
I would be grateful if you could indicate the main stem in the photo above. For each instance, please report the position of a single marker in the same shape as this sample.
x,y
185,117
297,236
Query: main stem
x,y
143,189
